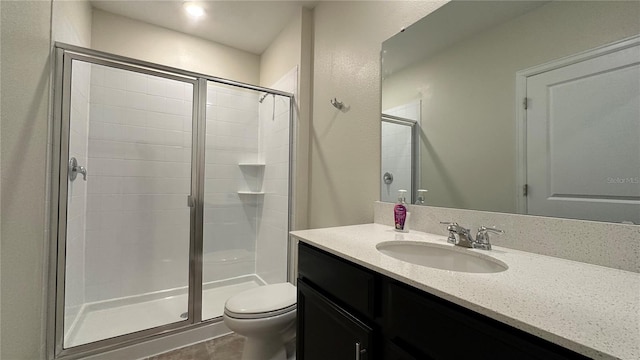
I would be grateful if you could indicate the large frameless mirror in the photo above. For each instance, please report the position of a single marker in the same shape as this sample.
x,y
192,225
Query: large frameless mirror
x,y
527,107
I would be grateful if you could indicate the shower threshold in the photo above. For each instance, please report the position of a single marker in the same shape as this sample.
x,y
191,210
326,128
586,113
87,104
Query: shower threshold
x,y
109,318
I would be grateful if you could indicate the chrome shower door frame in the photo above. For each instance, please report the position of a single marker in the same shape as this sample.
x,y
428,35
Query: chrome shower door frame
x,y
415,143
57,274
64,55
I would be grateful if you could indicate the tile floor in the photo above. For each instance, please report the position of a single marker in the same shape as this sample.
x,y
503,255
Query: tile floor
x,y
228,347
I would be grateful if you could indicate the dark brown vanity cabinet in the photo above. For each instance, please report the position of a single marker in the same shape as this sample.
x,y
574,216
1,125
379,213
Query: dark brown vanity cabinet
x,y
335,308
346,311
329,331
427,327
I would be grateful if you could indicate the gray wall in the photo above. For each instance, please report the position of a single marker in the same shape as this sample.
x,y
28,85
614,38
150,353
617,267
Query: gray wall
x,y
344,155
25,68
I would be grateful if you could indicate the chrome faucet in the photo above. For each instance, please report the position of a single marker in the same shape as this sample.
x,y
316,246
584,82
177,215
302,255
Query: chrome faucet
x,y
461,236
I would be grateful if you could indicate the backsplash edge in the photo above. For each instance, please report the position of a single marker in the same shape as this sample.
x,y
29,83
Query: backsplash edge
x,y
570,239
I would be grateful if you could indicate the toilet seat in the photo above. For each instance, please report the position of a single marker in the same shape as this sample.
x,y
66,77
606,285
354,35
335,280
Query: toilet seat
x,y
262,302
259,315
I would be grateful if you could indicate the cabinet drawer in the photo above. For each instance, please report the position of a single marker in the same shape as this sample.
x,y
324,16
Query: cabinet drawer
x,y
430,327
349,284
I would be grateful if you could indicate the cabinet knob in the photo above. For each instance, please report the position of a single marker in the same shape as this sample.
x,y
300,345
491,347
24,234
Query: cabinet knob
x,y
359,351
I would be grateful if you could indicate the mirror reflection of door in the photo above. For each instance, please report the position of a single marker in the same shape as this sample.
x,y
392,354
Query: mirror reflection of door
x,y
574,110
398,157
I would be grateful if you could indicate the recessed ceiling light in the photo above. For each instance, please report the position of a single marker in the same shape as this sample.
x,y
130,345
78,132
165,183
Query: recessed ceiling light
x,y
193,9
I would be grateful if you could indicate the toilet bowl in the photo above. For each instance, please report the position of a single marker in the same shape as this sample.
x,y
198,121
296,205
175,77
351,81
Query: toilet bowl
x,y
266,316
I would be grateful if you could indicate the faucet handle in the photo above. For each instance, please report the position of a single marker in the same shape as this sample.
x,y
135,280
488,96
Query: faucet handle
x,y
485,230
482,237
451,227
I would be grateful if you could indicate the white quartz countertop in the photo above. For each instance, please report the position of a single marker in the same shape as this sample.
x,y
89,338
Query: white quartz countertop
x,y
590,309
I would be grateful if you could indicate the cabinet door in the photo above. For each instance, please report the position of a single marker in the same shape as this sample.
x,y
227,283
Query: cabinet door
x,y
394,352
326,331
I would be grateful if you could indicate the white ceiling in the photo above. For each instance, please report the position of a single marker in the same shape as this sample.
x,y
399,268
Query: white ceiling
x,y
247,25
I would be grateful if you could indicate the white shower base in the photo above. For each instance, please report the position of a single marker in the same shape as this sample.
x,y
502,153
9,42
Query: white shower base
x,y
106,319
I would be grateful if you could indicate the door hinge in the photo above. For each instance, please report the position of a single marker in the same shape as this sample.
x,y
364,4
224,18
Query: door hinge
x,y
525,189
191,202
525,103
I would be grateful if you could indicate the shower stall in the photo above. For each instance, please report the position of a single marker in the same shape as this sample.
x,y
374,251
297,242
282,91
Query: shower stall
x,y
398,160
170,193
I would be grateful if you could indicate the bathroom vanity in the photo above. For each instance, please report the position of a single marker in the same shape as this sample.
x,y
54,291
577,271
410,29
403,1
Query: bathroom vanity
x,y
354,302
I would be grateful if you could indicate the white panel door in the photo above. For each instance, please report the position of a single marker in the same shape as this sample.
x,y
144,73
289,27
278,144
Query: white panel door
x,y
583,139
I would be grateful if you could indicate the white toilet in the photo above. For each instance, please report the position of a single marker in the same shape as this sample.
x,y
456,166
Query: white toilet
x,y
266,316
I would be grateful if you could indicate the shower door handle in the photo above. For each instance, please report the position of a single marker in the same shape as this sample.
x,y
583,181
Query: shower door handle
x,y
75,169
387,178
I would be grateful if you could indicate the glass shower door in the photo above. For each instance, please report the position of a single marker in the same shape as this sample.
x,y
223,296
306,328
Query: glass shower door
x,y
246,193
398,149
129,226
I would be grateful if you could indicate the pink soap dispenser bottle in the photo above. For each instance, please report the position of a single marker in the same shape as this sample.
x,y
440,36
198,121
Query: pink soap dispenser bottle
x,y
400,211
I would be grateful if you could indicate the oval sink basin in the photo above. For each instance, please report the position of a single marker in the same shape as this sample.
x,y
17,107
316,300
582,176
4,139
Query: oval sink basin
x,y
444,257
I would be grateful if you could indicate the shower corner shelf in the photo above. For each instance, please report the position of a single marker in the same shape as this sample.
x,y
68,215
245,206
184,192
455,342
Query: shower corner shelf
x,y
257,168
252,164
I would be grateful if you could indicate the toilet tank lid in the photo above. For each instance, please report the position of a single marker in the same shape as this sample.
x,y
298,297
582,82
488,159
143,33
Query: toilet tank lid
x,y
262,299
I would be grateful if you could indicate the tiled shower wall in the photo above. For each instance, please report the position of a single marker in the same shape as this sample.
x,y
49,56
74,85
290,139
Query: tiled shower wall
x,y
139,171
77,192
229,217
273,220
139,166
